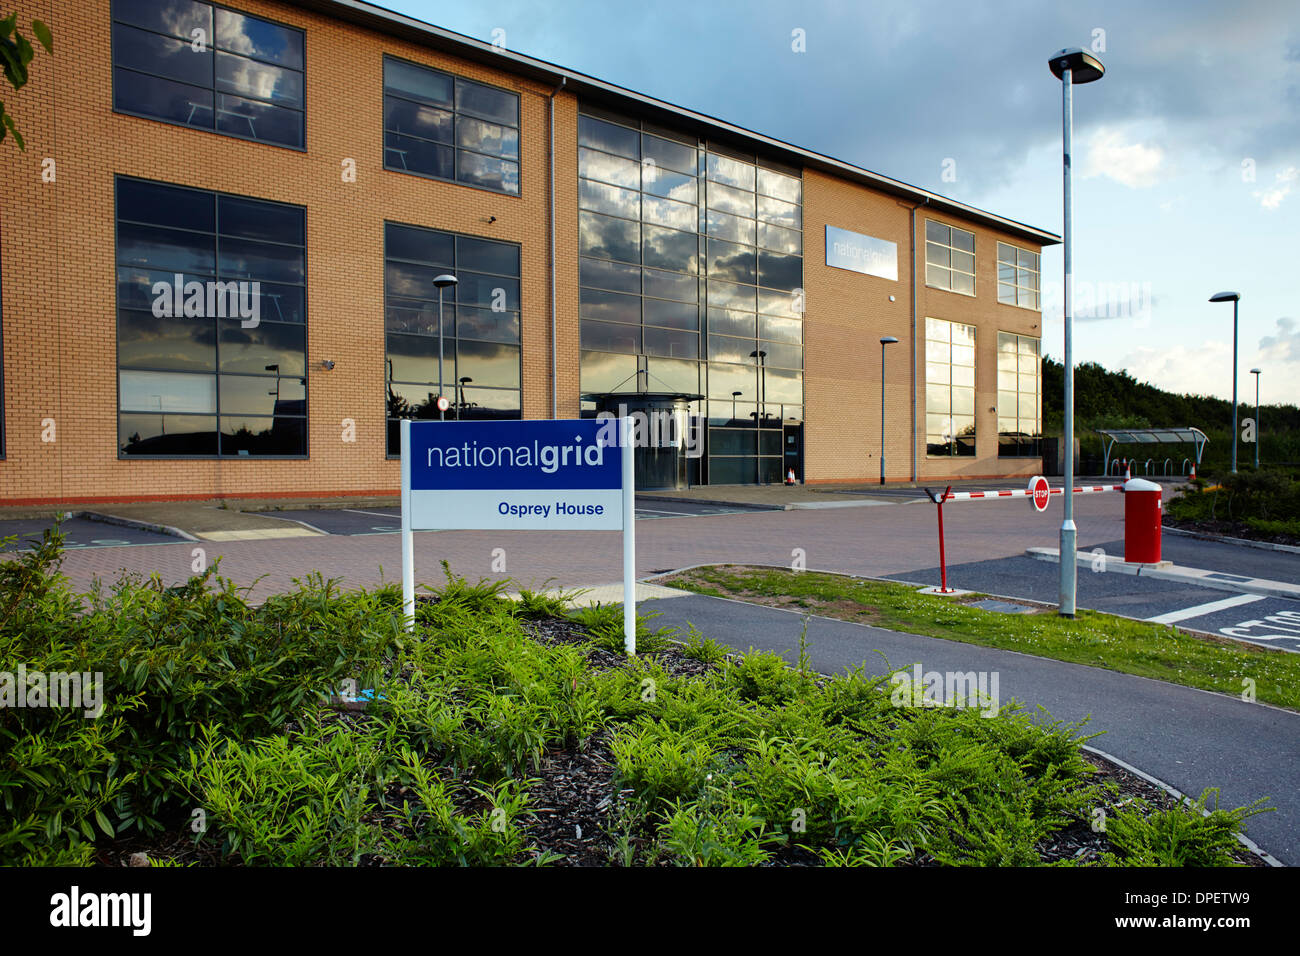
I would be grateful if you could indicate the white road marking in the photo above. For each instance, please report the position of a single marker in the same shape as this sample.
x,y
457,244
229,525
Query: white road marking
x,y
377,514
1173,617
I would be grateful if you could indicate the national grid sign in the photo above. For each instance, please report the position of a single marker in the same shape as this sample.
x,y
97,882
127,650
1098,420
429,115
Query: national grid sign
x,y
549,475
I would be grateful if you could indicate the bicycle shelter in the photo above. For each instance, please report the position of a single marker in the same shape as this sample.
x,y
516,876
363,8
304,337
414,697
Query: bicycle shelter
x,y
1153,436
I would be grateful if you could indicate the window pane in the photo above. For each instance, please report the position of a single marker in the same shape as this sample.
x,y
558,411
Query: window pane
x,y
610,306
169,343
726,295
730,172
938,276
488,363
781,303
670,249
780,330
422,245
724,348
727,322
610,337
666,212
963,261
936,232
487,172
267,343
251,219
608,137
416,119
609,169
418,82
244,117
484,255
963,240
487,102
262,395
671,285
783,356
167,392
484,137
486,291
612,200
248,436
937,373
723,226
672,343
266,261
783,386
725,379
779,271
963,283
674,375
167,434
489,403
733,262
963,375
175,17
780,239
162,99
1006,293
677,315
487,325
414,358
779,185
252,36
937,255
607,372
411,155
165,205
237,74
601,274
962,334
662,182
172,58
165,249
781,213
668,154
731,200
608,238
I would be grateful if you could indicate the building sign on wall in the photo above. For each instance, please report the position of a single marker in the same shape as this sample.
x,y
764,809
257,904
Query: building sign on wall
x,y
859,253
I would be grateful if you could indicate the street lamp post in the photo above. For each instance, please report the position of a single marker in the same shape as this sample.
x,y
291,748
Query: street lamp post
x,y
1255,372
460,398
758,415
886,340
441,282
1070,66
1234,298
734,396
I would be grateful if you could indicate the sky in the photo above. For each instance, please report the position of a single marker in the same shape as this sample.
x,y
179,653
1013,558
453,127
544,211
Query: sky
x,y
1186,153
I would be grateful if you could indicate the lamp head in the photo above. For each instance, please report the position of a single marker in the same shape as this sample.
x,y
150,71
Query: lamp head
x,y
443,281
1083,66
1225,297
1254,371
888,340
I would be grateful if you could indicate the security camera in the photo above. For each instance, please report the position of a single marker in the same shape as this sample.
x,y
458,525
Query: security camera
x,y
327,365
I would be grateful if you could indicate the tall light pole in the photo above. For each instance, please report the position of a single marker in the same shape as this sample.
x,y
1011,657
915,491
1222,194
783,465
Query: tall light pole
x,y
1070,66
1255,372
1234,298
442,282
460,403
758,415
886,340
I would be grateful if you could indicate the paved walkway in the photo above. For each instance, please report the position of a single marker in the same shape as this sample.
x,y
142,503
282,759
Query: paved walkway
x,y
1190,739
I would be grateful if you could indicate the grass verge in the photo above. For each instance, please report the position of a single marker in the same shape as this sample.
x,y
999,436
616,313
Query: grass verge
x,y
1099,640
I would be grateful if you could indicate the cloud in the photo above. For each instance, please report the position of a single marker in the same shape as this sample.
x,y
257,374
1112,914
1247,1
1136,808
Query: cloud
x,y
1283,183
1184,369
1132,164
1283,345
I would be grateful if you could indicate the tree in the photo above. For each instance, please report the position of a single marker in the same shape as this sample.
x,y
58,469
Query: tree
x,y
15,54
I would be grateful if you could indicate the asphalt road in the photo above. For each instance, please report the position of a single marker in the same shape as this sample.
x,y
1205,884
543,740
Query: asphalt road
x,y
81,533
1189,738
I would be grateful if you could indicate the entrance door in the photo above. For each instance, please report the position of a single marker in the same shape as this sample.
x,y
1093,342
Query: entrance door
x,y
792,443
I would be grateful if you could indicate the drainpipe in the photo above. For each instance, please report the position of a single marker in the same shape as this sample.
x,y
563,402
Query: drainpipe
x,y
551,236
924,202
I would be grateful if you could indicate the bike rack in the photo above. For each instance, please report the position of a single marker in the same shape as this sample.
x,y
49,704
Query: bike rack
x,y
1115,462
1146,469
1168,467
1186,462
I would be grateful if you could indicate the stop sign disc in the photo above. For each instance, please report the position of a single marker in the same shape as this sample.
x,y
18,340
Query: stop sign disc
x,y
443,404
1040,492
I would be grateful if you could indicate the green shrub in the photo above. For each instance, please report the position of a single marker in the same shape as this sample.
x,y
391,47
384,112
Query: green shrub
x,y
1189,834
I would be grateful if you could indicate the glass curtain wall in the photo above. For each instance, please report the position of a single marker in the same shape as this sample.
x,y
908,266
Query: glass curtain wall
x,y
691,273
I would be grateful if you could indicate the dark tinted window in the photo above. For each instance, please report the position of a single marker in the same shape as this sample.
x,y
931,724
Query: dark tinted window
x,y
229,340
244,78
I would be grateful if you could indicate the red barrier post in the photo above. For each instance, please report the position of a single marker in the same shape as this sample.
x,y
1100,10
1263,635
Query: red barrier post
x,y
943,564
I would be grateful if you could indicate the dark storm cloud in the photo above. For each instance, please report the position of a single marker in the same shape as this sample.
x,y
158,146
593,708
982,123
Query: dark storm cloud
x,y
900,87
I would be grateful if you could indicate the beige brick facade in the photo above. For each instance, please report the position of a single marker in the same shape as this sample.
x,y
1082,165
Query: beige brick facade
x,y
57,267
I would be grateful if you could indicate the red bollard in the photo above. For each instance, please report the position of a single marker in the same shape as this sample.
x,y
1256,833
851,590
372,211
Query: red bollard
x,y
943,564
1141,521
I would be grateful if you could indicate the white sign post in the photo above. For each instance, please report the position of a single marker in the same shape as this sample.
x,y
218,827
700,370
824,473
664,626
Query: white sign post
x,y
547,475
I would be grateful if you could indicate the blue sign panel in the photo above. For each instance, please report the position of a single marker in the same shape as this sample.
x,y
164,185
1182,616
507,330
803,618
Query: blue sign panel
x,y
859,253
575,455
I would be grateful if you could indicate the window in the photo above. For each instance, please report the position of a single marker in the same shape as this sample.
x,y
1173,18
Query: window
x,y
693,257
949,388
211,324
949,258
203,66
1017,276
446,127
1020,408
480,372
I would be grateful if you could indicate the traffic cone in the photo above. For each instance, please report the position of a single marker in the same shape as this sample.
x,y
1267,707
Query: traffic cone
x,y
1127,475
1193,475
789,477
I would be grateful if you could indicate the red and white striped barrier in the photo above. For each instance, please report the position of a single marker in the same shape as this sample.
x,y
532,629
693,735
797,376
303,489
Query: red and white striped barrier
x,y
1025,492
